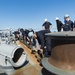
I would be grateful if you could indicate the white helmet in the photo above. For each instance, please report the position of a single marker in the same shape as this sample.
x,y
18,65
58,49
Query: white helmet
x,y
46,20
57,18
30,34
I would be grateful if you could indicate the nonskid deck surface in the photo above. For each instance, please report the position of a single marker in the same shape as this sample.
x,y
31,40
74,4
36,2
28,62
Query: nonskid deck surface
x,y
33,68
33,64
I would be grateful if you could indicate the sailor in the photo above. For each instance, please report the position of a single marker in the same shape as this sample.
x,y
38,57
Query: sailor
x,y
47,25
28,36
22,34
74,25
42,40
59,24
26,31
17,34
68,26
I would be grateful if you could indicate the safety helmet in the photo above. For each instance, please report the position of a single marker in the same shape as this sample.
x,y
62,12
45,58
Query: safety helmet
x,y
57,18
30,34
46,20
66,16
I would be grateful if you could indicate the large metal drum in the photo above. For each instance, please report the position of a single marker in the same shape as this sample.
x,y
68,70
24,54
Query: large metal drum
x,y
62,59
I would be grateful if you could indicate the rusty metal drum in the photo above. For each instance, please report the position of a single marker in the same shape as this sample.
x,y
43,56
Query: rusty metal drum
x,y
62,59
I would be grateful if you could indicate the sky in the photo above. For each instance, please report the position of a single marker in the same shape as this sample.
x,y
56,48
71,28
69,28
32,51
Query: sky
x,y
31,13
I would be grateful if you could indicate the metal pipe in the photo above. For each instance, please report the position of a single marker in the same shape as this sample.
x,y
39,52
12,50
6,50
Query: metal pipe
x,y
16,56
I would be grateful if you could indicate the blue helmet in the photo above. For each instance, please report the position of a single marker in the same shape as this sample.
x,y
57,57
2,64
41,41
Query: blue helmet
x,y
66,16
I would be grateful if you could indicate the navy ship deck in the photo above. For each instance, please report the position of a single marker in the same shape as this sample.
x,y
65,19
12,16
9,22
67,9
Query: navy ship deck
x,y
31,67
